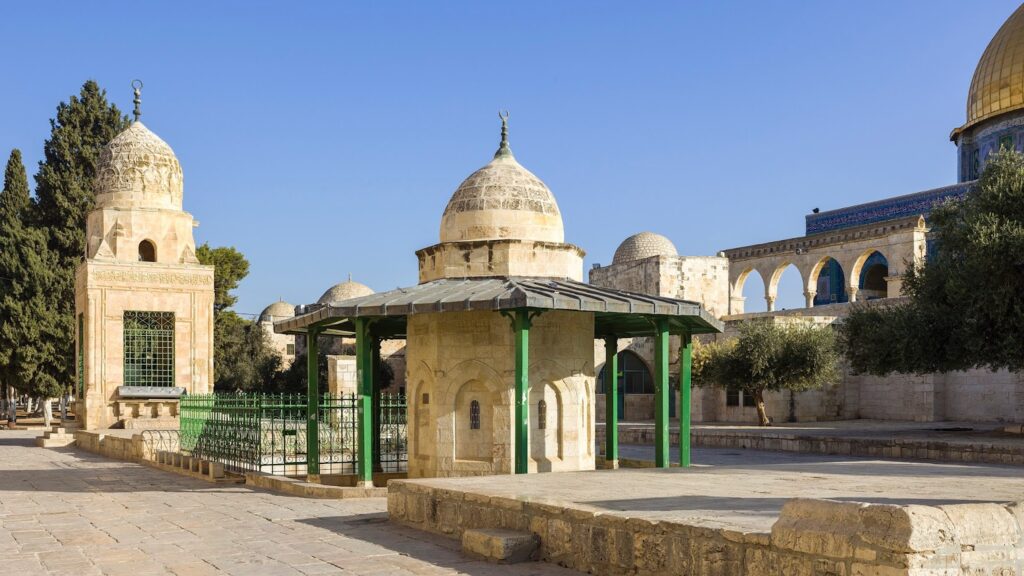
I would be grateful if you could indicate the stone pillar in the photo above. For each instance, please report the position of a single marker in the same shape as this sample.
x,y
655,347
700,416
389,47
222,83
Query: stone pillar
x,y
809,298
770,300
852,292
893,285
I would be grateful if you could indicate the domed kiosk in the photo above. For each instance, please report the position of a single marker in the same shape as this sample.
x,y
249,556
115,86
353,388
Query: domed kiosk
x,y
500,336
143,303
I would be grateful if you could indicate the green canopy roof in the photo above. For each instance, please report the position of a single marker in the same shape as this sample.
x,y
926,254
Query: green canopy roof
x,y
616,313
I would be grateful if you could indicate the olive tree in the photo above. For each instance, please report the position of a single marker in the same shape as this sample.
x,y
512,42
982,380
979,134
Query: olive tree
x,y
769,356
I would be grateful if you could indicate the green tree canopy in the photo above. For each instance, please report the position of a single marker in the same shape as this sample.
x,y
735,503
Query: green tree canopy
x,y
243,360
28,322
231,269
64,197
769,356
965,307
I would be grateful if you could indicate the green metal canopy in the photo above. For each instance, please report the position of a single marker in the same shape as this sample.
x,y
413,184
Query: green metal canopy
x,y
616,313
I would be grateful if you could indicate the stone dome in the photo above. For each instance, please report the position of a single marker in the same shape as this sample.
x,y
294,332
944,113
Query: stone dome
x,y
344,291
502,200
138,170
644,245
277,311
998,82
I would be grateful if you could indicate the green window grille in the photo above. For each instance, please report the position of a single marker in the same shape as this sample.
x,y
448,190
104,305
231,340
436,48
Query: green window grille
x,y
148,348
81,356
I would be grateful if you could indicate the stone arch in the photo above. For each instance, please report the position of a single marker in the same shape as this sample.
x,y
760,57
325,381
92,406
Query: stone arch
x,y
147,251
826,282
764,276
772,287
474,380
423,384
872,266
547,444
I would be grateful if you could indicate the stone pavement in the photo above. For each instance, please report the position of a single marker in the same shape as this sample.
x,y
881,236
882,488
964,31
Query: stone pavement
x,y
69,512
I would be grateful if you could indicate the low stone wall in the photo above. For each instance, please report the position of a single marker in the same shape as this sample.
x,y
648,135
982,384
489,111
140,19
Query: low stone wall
x,y
112,446
810,538
904,448
308,489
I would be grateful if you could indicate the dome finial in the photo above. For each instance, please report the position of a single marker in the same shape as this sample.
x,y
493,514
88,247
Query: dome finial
x,y
503,149
137,87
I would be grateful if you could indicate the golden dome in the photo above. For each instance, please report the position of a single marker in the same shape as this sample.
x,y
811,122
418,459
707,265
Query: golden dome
x,y
998,82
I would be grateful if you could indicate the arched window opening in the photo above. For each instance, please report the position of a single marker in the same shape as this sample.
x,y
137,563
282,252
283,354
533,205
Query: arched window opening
x,y
753,293
542,415
474,415
147,251
872,277
831,284
634,377
789,291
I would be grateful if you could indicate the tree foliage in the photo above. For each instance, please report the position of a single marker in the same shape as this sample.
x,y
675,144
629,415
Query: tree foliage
x,y
28,321
769,356
64,197
243,360
231,268
964,308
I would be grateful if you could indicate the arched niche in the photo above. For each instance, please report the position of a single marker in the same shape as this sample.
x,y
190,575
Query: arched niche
x,y
147,251
547,443
473,425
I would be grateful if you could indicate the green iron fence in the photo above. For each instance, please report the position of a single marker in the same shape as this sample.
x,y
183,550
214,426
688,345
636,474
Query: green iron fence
x,y
268,432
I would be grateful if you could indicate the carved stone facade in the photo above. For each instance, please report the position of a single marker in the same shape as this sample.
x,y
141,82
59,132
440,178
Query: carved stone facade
x,y
460,373
140,267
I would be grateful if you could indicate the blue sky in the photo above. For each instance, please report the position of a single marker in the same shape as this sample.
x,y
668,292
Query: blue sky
x,y
323,139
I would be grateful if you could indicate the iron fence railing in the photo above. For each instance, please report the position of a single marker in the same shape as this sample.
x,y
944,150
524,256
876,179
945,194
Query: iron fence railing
x,y
268,432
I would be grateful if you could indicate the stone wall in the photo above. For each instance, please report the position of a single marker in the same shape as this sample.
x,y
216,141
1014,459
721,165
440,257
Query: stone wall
x,y
810,537
458,359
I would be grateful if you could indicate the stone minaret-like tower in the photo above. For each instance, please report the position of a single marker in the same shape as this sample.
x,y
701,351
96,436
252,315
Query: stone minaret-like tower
x,y
143,303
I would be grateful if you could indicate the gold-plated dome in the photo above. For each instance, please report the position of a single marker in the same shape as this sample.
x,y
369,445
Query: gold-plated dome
x,y
998,83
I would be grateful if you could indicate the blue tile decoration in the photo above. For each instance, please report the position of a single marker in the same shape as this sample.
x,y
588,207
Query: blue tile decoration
x,y
881,210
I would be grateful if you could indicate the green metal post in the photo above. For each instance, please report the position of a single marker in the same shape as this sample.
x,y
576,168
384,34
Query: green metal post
x,y
375,393
611,402
312,406
685,364
521,326
661,459
364,405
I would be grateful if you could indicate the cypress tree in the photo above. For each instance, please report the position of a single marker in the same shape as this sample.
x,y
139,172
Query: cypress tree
x,y
64,197
27,320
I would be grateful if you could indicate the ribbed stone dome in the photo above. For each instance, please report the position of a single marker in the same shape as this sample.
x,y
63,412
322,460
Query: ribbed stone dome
x,y
277,311
644,245
138,170
344,291
502,200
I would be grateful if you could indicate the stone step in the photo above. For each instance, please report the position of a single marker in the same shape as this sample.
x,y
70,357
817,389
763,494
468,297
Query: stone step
x,y
55,442
500,546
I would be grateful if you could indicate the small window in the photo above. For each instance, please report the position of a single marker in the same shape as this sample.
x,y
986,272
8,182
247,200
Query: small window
x,y
147,251
732,397
474,415
290,349
542,415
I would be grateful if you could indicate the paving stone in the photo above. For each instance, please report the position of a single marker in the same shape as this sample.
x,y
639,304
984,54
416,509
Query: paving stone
x,y
75,513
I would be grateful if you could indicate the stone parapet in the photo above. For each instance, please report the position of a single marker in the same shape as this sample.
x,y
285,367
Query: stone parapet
x,y
810,537
901,448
